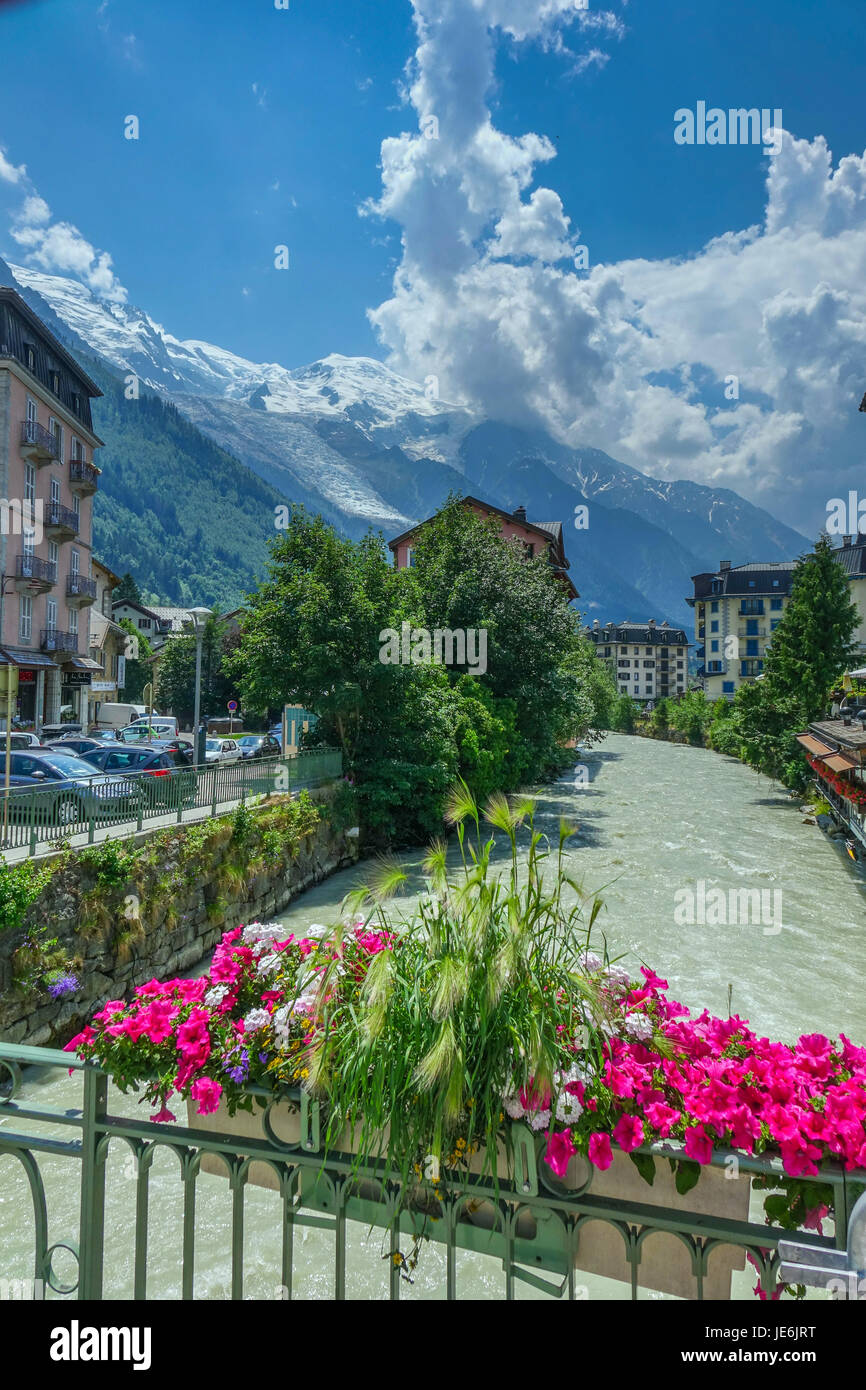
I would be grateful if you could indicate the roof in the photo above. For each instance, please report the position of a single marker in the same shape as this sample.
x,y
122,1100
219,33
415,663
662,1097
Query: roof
x,y
19,656
761,577
11,296
104,567
653,634
546,528
177,617
839,735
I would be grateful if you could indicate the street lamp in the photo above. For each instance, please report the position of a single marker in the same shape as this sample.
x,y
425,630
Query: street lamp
x,y
199,618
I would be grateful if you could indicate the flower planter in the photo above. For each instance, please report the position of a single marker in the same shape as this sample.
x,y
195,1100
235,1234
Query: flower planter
x,y
665,1263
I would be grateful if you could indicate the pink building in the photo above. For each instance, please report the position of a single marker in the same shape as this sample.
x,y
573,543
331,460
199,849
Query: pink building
x,y
539,538
47,482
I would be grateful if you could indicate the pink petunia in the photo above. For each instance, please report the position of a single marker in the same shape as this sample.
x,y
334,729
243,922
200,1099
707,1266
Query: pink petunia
x,y
560,1151
207,1092
629,1133
600,1151
699,1146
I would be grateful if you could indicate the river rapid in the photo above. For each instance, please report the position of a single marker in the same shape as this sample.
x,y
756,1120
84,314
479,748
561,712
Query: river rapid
x,y
662,828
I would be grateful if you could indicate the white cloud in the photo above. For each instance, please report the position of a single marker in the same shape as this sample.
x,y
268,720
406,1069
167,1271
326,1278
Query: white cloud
x,y
632,357
60,247
11,173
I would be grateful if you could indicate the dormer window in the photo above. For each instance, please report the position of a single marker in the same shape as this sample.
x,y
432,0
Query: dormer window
x,y
55,383
31,358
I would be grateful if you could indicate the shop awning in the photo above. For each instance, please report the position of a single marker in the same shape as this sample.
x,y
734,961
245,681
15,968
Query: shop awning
x,y
14,656
814,745
81,663
840,762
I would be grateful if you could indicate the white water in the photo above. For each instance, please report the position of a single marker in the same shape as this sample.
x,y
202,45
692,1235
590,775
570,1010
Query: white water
x,y
655,818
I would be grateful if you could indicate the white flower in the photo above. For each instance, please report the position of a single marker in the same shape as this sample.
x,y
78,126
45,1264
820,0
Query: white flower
x,y
256,1019
540,1120
591,962
568,1108
316,931
268,964
215,995
513,1107
639,1027
618,978
257,933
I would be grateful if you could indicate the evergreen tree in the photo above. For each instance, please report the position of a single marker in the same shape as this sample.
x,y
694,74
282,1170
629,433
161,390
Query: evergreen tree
x,y
812,646
127,589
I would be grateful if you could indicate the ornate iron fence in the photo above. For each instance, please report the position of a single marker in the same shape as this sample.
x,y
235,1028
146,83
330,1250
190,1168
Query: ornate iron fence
x,y
529,1227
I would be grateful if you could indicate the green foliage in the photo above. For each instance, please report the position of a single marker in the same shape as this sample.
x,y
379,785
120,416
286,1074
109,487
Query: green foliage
x,y
624,715
691,715
20,886
660,717
127,589
138,672
176,680
470,1008
111,863
313,634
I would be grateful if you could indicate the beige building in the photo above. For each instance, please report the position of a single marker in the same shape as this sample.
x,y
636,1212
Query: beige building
x,y
648,661
108,643
737,610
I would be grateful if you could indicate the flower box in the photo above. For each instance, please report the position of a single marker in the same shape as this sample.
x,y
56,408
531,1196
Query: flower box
x,y
665,1264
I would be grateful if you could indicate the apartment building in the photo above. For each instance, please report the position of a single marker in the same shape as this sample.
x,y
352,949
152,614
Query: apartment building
x,y
737,609
47,480
649,661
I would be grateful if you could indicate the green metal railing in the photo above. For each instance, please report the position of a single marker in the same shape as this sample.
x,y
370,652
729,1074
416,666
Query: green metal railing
x,y
535,1232
39,816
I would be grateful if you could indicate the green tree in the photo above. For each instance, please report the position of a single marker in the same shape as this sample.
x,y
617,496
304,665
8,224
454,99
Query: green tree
x,y
138,670
811,649
691,715
127,589
624,715
661,717
176,679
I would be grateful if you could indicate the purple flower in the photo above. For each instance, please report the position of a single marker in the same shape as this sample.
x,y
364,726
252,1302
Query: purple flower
x,y
263,1057
60,985
241,1070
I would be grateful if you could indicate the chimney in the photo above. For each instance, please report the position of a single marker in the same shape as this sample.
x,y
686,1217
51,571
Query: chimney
x,y
519,513
651,623
846,541
596,625
725,565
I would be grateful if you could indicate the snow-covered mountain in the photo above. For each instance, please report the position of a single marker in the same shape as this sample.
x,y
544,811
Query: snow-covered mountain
x,y
369,447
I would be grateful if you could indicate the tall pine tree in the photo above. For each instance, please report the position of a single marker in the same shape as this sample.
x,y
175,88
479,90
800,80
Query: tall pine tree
x,y
812,646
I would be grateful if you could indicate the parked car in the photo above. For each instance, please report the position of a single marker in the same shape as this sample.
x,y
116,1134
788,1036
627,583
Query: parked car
x,y
259,746
161,774
221,750
67,790
138,733
161,723
104,735
19,740
77,746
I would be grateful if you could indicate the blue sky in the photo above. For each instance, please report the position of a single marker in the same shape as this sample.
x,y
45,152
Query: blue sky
x,y
189,213
261,127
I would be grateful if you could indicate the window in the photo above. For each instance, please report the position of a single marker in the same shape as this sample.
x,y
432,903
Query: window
x,y
751,627
31,358
635,651
714,647
775,583
56,430
51,614
774,623
775,604
53,552
31,411
29,483
727,687
75,562
410,557
72,619
55,383
106,602
650,664
714,625
714,606
752,605
648,650
751,583
752,648
76,404
76,506
76,449
25,618
55,492
623,661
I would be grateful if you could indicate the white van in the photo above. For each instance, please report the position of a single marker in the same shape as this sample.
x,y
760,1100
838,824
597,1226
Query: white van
x,y
114,716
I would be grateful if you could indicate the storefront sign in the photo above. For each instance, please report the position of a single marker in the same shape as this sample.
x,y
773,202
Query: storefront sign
x,y
25,676
77,678
102,686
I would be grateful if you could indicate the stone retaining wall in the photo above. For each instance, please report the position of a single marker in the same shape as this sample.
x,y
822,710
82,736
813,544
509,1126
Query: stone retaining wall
x,y
162,938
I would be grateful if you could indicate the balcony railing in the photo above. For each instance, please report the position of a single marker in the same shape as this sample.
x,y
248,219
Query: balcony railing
x,y
83,477
31,567
60,518
53,641
38,440
77,586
